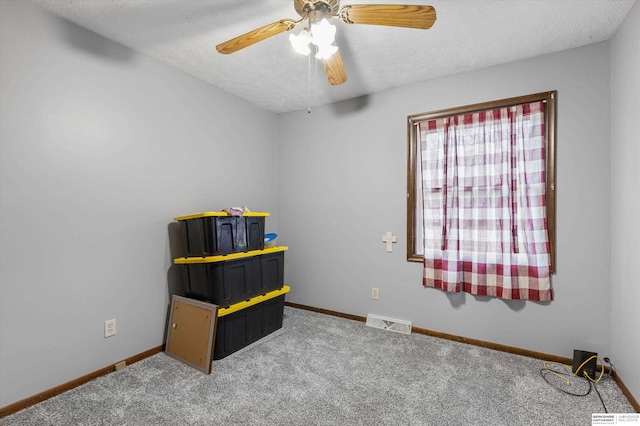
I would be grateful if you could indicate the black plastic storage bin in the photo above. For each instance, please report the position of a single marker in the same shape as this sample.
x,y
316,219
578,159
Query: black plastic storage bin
x,y
210,236
239,329
217,233
225,282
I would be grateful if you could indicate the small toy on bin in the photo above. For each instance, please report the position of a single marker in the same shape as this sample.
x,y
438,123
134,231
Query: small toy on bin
x,y
270,240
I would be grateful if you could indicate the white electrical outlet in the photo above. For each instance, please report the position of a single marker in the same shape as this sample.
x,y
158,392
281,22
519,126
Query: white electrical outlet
x,y
374,293
110,328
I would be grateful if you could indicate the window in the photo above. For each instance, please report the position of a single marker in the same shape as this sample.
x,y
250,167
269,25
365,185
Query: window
x,y
485,169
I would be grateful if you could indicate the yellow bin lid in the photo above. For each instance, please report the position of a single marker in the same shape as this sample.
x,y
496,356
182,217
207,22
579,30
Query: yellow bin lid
x,y
230,256
217,214
253,301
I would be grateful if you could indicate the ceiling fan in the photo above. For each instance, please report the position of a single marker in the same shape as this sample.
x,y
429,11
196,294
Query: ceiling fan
x,y
321,33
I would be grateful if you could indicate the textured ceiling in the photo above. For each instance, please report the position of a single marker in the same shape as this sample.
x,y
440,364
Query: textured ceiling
x,y
467,35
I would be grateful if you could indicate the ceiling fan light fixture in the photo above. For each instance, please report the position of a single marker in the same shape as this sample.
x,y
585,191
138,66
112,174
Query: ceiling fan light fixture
x,y
323,33
301,42
325,52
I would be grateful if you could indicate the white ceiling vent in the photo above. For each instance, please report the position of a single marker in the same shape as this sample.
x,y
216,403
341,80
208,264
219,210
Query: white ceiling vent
x,y
399,326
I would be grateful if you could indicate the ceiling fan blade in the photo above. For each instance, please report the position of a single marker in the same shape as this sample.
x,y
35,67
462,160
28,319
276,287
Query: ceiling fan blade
x,y
256,35
334,68
394,15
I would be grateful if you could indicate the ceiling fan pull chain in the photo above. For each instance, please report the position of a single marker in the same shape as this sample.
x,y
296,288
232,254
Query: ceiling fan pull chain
x,y
309,83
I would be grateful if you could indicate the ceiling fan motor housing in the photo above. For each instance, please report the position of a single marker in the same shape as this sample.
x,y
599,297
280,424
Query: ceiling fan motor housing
x,y
304,7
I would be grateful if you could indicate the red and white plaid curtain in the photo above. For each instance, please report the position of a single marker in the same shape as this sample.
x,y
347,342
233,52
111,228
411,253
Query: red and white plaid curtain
x,y
484,205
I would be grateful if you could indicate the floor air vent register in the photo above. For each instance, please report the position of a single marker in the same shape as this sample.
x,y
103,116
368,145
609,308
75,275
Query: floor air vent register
x,y
399,326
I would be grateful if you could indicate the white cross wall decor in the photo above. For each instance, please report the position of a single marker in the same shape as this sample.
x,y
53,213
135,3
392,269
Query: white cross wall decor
x,y
389,239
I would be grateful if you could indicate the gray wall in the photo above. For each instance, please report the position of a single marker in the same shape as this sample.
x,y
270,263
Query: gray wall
x,y
342,185
625,200
100,148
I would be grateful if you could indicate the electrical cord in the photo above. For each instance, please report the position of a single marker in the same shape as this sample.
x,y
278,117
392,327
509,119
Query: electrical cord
x,y
600,396
567,381
612,369
564,376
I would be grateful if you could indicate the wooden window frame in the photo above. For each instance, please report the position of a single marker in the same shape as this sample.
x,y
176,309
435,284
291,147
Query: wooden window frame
x,y
549,99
